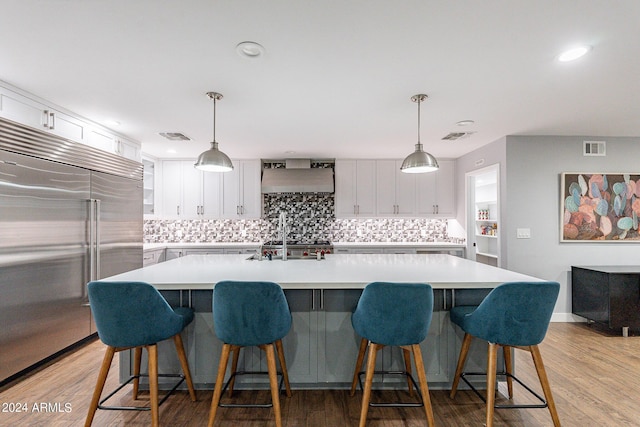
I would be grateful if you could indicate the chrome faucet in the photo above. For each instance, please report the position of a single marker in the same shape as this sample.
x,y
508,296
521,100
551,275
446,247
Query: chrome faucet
x,y
282,226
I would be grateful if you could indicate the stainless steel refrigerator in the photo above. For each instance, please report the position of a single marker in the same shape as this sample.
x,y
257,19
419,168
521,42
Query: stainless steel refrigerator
x,y
69,214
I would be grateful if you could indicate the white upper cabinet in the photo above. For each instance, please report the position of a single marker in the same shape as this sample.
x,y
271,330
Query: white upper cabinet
x,y
188,192
355,194
436,191
38,115
241,190
396,191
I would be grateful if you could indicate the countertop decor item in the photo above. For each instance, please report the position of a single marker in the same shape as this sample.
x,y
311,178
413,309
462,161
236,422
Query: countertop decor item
x,y
419,161
214,160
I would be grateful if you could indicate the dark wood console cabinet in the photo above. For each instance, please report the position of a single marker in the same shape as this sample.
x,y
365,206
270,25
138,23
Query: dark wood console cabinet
x,y
609,295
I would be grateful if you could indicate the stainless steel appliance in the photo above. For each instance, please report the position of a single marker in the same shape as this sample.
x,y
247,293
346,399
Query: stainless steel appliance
x,y
63,222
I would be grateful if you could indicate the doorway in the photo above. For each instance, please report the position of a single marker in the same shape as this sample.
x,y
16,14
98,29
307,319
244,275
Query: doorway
x,y
483,215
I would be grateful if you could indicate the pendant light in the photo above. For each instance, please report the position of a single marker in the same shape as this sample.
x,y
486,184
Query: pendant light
x,y
419,161
214,160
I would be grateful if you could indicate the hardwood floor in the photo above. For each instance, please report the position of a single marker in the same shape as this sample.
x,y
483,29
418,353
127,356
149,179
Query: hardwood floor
x,y
595,379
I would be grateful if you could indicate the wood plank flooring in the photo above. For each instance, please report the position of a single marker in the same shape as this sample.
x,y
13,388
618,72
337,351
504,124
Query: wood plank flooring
x,y
595,380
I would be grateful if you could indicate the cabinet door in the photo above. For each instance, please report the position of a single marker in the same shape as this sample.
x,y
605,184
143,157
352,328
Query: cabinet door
x,y
172,189
446,189
21,109
345,194
386,188
191,190
231,193
426,194
251,192
405,192
366,188
211,206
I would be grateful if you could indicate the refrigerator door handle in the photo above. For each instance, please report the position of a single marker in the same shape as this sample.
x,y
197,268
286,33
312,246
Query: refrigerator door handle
x,y
94,239
97,204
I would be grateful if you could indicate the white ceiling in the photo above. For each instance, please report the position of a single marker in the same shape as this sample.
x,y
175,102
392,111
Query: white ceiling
x,y
337,76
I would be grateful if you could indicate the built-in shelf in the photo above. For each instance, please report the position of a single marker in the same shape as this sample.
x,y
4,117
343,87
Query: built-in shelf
x,y
494,236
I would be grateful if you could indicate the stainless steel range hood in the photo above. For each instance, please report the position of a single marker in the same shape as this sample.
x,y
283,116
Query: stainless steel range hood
x,y
297,177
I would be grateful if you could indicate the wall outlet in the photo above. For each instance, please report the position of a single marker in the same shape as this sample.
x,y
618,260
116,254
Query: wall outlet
x,y
523,233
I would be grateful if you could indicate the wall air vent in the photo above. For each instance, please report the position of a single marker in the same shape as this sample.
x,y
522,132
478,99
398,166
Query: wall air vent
x,y
453,136
175,136
594,148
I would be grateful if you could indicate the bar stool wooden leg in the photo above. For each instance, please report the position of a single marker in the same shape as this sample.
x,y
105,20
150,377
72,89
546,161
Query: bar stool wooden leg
x,y
492,359
544,382
102,378
273,383
366,395
508,366
217,391
407,367
235,349
152,350
137,360
177,340
361,352
283,366
464,350
422,379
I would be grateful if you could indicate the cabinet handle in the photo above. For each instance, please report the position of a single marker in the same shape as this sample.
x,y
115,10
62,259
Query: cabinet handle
x,y
437,209
242,209
358,209
178,209
201,209
45,119
237,210
52,124
354,210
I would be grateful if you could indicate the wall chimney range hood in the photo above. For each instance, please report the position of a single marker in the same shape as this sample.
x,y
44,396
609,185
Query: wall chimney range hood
x,y
297,176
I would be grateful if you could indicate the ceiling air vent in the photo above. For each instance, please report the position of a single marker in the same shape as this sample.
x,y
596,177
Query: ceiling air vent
x,y
457,135
594,148
175,136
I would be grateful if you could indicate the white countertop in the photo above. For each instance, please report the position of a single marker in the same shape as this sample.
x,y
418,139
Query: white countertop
x,y
211,245
352,271
398,244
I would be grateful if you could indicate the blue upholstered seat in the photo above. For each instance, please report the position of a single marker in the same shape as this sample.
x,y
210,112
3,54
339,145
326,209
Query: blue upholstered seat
x,y
135,315
513,315
393,314
516,313
250,314
131,314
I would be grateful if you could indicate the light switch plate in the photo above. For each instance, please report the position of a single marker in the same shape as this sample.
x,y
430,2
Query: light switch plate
x,y
523,233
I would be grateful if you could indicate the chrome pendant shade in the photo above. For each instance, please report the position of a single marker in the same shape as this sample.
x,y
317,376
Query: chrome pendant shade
x,y
214,160
419,161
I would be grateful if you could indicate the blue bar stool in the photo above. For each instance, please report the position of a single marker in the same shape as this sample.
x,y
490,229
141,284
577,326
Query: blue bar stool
x,y
393,314
250,314
513,315
135,315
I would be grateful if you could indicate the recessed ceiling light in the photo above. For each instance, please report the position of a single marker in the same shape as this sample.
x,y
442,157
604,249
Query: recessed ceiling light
x,y
574,53
465,122
290,152
250,50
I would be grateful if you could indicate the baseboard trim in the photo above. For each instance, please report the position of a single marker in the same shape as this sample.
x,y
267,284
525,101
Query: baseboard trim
x,y
567,317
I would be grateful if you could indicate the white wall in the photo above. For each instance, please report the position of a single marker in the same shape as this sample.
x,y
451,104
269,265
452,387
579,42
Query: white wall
x,y
530,168
533,185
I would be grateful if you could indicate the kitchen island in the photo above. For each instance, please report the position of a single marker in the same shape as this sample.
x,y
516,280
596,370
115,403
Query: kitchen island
x,y
321,347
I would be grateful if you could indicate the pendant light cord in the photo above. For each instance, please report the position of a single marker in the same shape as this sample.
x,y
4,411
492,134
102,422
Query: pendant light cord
x,y
419,101
214,119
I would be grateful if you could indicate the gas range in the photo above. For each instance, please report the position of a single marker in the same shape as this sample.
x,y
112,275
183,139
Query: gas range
x,y
298,247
